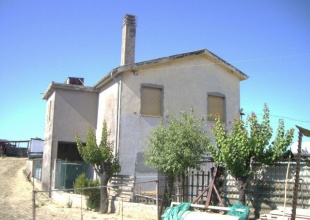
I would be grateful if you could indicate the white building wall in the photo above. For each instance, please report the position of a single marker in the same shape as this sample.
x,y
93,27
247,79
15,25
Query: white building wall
x,y
75,111
48,141
70,112
107,110
186,83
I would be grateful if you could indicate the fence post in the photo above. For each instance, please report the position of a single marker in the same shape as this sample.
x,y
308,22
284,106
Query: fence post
x,y
33,205
157,200
122,208
81,206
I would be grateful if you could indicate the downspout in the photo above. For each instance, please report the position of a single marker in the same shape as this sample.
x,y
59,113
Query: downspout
x,y
117,115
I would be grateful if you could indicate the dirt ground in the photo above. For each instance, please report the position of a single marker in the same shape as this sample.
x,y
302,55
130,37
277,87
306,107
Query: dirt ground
x,y
16,198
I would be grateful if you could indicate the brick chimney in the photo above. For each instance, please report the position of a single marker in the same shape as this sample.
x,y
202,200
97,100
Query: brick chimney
x,y
128,40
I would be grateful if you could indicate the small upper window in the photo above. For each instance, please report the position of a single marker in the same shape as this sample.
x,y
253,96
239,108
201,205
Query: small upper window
x,y
216,107
151,101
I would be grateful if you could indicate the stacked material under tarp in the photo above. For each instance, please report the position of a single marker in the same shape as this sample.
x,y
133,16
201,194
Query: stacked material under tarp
x,y
185,211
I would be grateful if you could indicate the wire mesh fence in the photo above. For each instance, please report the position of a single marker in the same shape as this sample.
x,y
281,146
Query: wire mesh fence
x,y
45,207
132,198
16,208
84,203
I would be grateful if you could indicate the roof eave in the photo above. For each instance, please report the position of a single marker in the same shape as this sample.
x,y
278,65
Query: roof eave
x,y
239,73
48,91
53,86
107,78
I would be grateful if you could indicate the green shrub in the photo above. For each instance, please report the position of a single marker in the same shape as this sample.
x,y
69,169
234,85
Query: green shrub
x,y
93,201
93,194
80,182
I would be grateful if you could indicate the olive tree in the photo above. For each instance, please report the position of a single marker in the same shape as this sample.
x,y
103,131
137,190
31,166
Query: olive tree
x,y
177,145
104,162
246,142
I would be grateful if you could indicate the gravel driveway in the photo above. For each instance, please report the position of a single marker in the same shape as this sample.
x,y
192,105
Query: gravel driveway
x,y
16,198
16,191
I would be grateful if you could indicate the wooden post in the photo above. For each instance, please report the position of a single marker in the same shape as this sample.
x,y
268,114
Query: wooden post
x,y
302,131
212,185
210,189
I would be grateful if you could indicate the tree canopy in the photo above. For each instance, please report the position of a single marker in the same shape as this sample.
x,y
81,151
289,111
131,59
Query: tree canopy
x,y
178,144
101,156
247,142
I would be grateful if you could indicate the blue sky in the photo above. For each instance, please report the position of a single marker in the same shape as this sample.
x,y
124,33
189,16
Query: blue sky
x,y
44,41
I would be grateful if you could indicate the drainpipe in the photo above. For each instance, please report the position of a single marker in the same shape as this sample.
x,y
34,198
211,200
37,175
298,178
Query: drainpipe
x,y
117,116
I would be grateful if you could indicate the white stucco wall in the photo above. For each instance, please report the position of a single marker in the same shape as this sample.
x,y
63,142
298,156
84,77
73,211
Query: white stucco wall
x,y
186,83
74,112
70,112
107,110
48,142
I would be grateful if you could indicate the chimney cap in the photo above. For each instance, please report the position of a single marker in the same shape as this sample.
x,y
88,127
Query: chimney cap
x,y
75,81
129,19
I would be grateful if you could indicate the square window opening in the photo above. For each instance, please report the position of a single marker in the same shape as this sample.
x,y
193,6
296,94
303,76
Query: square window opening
x,y
216,107
151,101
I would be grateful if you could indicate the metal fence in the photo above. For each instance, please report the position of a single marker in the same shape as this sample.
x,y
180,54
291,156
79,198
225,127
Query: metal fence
x,y
83,203
268,188
67,172
187,188
130,198
37,169
16,208
63,204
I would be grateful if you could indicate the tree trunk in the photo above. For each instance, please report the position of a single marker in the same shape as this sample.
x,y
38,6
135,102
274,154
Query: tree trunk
x,y
242,186
168,191
170,188
104,196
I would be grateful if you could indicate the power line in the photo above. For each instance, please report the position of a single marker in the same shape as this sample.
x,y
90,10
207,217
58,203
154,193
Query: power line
x,y
292,119
272,58
288,118
236,61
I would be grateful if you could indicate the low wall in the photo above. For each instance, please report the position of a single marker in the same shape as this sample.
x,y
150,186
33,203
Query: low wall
x,y
133,209
63,198
118,207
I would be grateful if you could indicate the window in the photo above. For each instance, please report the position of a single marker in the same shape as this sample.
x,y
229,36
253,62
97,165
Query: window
x,y
216,106
151,101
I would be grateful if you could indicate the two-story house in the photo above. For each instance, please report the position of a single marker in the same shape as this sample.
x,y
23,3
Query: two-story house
x,y
133,98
